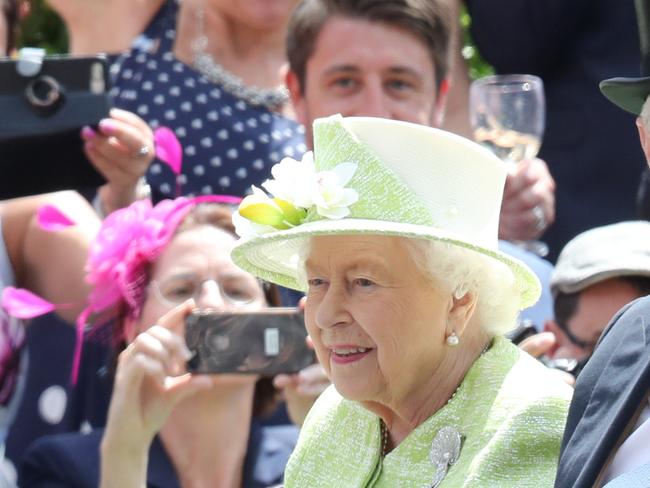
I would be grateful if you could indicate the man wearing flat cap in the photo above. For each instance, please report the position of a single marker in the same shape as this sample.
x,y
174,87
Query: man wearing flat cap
x,y
598,272
607,436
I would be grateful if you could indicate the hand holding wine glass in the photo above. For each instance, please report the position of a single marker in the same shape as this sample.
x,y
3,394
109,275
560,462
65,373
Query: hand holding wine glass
x,y
507,113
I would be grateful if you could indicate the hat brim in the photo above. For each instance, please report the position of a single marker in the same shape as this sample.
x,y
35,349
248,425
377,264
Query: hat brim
x,y
628,93
274,256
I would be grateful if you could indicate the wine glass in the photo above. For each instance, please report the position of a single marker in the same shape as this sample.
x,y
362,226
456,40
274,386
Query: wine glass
x,y
507,114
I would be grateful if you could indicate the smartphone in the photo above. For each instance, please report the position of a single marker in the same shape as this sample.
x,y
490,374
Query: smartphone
x,y
265,342
41,115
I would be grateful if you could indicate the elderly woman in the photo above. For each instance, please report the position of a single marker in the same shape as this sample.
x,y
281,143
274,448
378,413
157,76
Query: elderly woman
x,y
392,230
203,430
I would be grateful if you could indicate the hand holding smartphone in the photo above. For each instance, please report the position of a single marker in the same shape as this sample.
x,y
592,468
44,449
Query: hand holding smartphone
x,y
265,342
44,103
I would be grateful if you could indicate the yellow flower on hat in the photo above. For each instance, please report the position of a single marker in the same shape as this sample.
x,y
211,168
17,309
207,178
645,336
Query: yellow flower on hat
x,y
297,190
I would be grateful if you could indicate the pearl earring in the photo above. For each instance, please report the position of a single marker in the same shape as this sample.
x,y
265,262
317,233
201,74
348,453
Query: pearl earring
x,y
452,340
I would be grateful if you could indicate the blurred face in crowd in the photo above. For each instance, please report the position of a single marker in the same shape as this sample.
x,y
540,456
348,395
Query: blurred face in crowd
x,y
256,14
597,304
196,264
370,307
361,68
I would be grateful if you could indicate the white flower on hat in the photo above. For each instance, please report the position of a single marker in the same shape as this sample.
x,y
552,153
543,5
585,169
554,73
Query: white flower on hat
x,y
294,181
297,189
331,198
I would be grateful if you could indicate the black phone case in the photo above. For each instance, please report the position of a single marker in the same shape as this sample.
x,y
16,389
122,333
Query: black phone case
x,y
265,343
40,145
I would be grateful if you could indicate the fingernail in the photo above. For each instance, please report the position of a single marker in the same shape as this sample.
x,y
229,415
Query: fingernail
x,y
107,126
88,133
187,354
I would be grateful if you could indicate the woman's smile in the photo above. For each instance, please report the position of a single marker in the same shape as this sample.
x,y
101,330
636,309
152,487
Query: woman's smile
x,y
345,354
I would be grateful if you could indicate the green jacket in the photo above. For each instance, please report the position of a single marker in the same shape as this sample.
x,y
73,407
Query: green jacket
x,y
509,409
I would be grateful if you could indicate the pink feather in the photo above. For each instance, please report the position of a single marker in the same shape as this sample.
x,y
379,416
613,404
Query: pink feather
x,y
23,304
168,148
52,219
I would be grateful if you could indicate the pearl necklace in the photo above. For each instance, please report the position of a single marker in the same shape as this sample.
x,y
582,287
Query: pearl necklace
x,y
271,98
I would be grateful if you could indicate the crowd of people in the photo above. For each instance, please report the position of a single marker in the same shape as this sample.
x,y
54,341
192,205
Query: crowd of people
x,y
324,163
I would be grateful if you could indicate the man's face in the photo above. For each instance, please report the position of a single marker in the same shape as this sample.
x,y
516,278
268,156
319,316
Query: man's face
x,y
361,68
597,304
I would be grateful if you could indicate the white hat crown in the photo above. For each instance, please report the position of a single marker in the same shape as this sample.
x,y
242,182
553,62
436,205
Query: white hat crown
x,y
413,174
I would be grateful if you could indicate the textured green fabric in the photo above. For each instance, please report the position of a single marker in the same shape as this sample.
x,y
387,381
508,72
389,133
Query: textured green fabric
x,y
510,409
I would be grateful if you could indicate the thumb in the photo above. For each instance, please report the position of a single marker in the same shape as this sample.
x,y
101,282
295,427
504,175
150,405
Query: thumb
x,y
538,344
174,320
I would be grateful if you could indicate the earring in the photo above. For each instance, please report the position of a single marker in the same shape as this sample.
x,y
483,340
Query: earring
x,y
452,340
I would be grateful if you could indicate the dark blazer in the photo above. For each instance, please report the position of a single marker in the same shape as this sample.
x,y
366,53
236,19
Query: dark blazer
x,y
591,146
607,395
72,460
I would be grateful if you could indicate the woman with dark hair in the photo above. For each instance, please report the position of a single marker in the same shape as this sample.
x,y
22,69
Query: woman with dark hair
x,y
146,261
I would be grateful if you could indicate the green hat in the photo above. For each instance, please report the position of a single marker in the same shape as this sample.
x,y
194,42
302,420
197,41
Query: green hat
x,y
381,177
630,93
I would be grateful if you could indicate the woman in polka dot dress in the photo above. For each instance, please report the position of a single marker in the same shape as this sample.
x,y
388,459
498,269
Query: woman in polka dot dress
x,y
213,71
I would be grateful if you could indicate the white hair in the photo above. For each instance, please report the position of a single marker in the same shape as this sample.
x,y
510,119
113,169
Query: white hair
x,y
461,270
645,114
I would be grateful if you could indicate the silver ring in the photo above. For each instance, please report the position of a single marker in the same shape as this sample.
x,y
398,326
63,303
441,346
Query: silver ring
x,y
143,152
540,220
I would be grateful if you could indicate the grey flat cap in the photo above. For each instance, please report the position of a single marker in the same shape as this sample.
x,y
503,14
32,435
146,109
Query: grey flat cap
x,y
602,253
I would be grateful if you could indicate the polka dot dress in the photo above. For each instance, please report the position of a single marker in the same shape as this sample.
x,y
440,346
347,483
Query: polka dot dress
x,y
228,145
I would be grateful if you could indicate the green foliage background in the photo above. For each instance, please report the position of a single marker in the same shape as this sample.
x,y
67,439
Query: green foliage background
x,y
43,28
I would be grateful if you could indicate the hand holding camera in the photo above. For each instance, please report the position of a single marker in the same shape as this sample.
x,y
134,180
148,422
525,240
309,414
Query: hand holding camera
x,y
51,100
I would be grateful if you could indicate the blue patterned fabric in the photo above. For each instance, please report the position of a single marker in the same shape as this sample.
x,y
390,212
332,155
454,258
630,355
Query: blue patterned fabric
x,y
228,145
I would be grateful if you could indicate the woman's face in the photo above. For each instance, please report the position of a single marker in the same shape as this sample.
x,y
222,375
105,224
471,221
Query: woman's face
x,y
196,264
377,322
257,14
